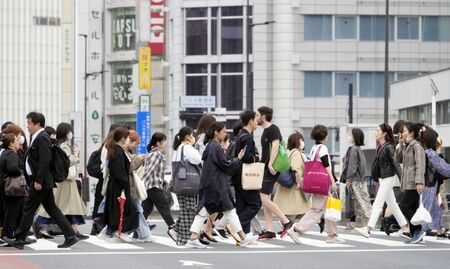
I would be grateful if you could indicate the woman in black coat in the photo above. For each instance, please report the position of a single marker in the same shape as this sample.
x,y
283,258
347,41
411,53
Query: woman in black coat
x,y
119,186
214,193
10,165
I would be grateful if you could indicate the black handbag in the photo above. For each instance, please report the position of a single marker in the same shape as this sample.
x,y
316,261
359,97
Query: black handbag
x,y
16,186
185,176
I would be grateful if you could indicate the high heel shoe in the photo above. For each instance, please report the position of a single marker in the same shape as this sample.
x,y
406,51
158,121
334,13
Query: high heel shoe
x,y
321,225
204,235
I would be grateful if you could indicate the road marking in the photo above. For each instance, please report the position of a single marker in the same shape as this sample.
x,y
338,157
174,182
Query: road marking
x,y
316,243
103,244
258,244
194,263
435,240
199,252
166,241
372,240
43,244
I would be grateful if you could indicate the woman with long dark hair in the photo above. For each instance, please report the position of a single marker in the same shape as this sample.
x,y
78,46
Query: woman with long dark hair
x,y
384,169
119,186
184,141
215,194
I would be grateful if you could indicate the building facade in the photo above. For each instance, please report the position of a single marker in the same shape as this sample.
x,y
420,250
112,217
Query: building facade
x,y
305,54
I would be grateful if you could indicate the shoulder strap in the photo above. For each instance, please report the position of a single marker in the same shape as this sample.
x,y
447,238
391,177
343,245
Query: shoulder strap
x,y
316,156
182,153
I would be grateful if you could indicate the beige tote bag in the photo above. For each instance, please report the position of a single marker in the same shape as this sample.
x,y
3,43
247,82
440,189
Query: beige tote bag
x,y
252,176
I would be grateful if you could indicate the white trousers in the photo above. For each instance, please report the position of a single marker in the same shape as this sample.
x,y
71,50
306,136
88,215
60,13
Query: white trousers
x,y
229,217
386,194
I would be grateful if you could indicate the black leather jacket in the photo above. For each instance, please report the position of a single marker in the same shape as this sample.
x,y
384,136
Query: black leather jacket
x,y
388,166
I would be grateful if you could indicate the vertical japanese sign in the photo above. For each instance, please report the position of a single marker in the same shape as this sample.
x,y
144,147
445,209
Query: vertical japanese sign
x,y
94,81
144,129
145,68
157,27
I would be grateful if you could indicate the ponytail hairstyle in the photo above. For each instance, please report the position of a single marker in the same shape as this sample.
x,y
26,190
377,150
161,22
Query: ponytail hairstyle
x,y
413,128
181,136
111,145
216,127
386,128
156,137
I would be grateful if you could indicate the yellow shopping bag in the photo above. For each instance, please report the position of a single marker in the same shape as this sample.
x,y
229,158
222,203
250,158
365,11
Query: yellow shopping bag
x,y
333,209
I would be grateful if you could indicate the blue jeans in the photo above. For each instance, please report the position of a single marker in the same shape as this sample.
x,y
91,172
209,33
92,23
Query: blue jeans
x,y
143,230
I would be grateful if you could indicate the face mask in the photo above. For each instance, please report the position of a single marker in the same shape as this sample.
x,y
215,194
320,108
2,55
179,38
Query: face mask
x,y
302,145
21,140
127,141
70,136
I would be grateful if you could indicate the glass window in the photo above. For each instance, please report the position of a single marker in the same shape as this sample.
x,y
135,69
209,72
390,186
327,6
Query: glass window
x,y
196,37
317,84
123,29
232,11
436,28
317,27
408,28
122,79
232,86
371,28
342,82
345,27
196,12
406,75
214,38
196,79
371,84
232,34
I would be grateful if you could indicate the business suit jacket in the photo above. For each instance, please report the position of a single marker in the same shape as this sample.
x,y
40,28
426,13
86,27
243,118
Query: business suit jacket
x,y
39,158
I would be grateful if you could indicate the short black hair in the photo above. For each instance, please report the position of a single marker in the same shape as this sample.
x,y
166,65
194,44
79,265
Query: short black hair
x,y
246,116
50,130
266,111
62,130
156,137
413,128
6,125
237,126
319,133
36,118
358,136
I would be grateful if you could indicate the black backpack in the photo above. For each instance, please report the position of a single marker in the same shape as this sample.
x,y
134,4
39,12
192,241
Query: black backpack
x,y
93,166
60,164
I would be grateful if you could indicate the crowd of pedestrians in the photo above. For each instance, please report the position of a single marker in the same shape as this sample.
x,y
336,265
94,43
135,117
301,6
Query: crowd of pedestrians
x,y
40,183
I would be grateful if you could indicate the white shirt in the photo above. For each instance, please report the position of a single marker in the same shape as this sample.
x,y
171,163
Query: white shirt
x,y
323,152
190,154
27,166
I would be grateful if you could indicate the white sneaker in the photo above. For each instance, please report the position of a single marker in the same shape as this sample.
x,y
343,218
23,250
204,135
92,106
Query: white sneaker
x,y
146,239
364,231
248,240
173,234
125,237
335,240
195,244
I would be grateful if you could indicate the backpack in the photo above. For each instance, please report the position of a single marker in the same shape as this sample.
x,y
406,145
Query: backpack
x,y
59,167
93,166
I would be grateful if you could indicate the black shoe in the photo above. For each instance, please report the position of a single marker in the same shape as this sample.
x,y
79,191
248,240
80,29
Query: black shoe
x,y
206,236
81,236
17,243
29,241
203,241
135,235
386,225
220,233
3,243
40,235
152,227
266,235
69,242
321,225
95,230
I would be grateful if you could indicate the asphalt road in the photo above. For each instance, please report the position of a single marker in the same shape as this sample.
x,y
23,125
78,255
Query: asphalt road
x,y
357,252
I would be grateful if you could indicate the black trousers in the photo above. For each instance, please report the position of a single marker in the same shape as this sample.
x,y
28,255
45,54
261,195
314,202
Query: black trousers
x,y
12,211
98,197
409,204
32,203
248,204
157,198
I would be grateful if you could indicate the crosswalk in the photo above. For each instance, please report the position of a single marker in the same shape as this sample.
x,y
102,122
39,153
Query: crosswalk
x,y
311,239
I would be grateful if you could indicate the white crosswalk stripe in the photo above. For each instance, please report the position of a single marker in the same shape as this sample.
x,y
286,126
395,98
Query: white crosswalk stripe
x,y
311,239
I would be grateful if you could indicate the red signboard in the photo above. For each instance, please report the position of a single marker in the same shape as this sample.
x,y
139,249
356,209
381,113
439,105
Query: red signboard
x,y
157,27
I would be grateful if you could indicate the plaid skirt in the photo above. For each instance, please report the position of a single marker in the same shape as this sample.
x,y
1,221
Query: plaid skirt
x,y
186,215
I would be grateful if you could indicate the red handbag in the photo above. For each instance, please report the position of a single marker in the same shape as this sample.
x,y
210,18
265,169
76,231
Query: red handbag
x,y
316,179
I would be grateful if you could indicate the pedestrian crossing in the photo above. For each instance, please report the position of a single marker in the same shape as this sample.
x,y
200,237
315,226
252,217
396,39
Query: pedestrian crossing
x,y
310,240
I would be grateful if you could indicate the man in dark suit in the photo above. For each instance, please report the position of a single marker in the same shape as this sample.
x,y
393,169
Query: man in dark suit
x,y
37,167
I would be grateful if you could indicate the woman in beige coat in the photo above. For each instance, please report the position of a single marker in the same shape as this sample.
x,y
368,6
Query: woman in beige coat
x,y
292,201
66,193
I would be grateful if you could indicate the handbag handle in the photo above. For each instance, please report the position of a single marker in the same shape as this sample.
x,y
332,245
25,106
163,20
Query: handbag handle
x,y
316,156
